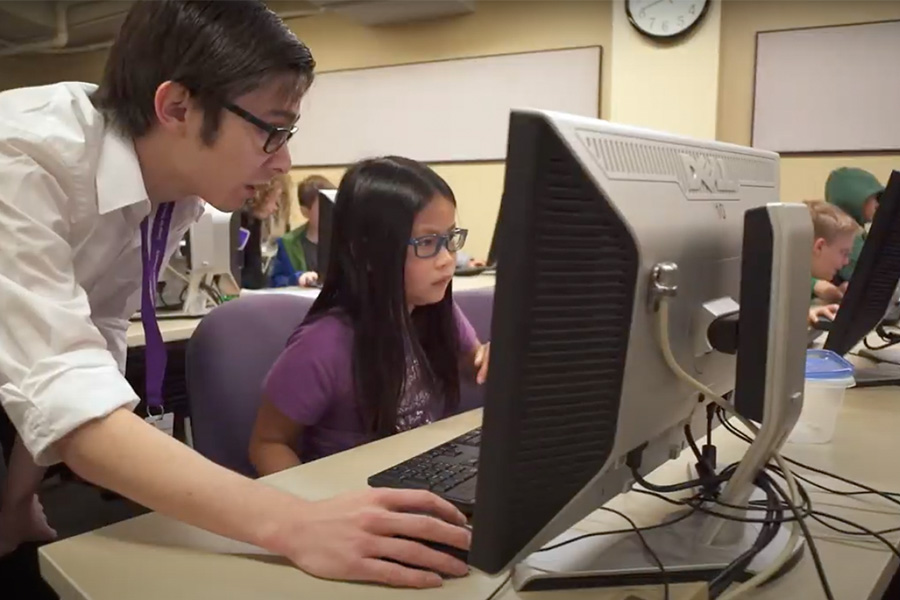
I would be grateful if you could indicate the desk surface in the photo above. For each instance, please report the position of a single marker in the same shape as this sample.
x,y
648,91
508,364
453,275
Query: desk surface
x,y
174,330
154,557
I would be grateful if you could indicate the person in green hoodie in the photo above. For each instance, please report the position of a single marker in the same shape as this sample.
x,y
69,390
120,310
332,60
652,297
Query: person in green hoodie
x,y
856,192
296,262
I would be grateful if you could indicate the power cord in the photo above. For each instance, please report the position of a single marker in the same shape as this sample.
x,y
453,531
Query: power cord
x,y
889,339
767,533
647,547
500,587
585,536
892,497
863,531
671,361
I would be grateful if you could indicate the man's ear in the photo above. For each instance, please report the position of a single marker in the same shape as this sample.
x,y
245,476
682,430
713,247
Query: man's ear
x,y
171,103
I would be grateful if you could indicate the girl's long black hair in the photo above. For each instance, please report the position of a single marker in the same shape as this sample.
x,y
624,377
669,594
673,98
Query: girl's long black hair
x,y
376,203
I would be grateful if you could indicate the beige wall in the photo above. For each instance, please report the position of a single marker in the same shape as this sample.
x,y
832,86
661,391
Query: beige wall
x,y
496,27
801,177
670,86
699,85
40,69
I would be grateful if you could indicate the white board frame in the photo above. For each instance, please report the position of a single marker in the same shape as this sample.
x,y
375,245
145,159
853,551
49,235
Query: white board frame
x,y
829,89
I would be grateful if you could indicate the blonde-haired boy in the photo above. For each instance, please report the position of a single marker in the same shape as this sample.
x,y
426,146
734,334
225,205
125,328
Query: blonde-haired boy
x,y
833,234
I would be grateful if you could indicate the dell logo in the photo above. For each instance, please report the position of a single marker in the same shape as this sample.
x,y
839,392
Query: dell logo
x,y
707,174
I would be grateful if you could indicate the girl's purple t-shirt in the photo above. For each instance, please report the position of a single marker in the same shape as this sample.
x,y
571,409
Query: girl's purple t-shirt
x,y
311,383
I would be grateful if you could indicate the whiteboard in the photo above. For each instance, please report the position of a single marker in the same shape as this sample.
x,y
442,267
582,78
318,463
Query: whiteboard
x,y
445,111
828,89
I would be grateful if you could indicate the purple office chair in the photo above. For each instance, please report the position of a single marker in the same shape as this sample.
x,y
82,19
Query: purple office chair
x,y
228,357
478,306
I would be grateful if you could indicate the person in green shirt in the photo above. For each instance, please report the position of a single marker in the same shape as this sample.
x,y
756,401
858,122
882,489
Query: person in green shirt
x,y
296,262
856,192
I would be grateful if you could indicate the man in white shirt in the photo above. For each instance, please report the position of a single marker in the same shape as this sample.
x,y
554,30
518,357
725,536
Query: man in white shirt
x,y
97,186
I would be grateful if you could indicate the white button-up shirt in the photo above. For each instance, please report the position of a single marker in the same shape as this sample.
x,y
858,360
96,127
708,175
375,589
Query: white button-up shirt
x,y
72,198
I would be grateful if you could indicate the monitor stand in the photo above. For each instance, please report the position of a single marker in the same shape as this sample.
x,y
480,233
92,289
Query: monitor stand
x,y
882,374
602,561
885,371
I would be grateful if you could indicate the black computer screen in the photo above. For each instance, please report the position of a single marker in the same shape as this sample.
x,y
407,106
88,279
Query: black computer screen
x,y
326,218
875,277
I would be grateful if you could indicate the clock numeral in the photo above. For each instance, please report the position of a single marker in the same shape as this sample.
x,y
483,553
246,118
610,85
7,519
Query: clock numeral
x,y
665,26
681,21
643,13
693,9
652,21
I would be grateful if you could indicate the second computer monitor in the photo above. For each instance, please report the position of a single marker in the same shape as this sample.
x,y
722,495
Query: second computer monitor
x,y
874,283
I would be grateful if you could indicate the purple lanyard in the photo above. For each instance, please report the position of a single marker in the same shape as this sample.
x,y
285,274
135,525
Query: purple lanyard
x,y
153,254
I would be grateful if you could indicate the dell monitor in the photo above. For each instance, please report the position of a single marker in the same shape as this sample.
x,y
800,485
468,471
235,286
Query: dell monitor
x,y
605,230
326,219
871,294
608,232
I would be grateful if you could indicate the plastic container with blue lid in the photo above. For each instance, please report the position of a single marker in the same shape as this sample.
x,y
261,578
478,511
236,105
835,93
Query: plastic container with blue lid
x,y
825,364
828,375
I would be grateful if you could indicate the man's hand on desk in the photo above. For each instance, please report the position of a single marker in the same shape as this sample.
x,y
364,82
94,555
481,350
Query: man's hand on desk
x,y
349,538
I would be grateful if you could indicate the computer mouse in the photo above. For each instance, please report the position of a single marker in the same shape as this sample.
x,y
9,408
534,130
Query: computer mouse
x,y
457,553
823,324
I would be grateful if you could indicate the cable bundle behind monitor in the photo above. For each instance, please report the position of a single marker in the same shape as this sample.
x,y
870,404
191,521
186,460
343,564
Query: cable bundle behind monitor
x,y
796,499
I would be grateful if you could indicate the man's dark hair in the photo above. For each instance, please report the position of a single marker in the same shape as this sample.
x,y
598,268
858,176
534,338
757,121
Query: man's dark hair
x,y
217,50
308,189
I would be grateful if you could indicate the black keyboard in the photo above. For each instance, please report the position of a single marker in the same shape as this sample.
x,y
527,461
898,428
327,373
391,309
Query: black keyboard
x,y
449,470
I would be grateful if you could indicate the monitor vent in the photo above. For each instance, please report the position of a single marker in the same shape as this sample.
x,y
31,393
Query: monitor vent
x,y
621,158
584,269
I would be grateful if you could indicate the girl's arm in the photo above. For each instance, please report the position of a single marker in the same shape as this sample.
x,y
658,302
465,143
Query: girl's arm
x,y
479,359
273,440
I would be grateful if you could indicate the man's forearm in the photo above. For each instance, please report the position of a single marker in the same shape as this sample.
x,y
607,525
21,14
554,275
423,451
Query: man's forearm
x,y
124,454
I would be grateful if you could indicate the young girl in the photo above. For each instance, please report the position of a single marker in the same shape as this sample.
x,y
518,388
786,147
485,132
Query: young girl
x,y
383,346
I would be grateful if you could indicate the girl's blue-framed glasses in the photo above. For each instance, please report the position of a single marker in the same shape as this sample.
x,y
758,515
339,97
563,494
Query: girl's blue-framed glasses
x,y
428,246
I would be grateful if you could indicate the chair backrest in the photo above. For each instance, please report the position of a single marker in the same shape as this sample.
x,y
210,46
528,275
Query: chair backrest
x,y
233,349
228,358
478,306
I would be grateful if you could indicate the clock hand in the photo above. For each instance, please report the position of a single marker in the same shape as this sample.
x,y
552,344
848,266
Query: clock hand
x,y
654,4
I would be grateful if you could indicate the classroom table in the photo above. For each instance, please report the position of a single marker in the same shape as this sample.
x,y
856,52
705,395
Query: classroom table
x,y
153,556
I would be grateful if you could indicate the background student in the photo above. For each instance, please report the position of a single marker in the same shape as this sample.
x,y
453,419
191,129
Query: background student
x,y
856,192
297,262
834,232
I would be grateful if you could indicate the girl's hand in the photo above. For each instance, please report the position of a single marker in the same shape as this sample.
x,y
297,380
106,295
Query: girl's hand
x,y
482,359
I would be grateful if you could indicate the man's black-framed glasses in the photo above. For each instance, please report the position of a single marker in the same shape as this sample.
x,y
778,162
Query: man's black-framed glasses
x,y
428,246
278,136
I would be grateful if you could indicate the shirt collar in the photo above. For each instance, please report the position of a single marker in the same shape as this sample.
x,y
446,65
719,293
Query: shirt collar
x,y
120,182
